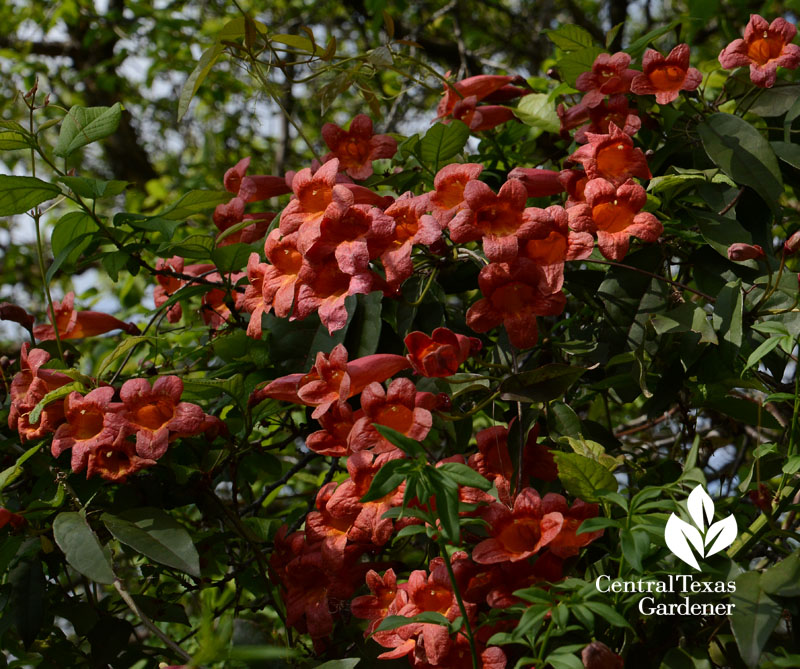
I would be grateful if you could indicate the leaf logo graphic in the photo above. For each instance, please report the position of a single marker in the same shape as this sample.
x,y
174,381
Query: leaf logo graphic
x,y
706,537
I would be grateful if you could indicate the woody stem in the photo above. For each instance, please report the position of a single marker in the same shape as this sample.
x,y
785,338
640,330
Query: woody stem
x,y
461,607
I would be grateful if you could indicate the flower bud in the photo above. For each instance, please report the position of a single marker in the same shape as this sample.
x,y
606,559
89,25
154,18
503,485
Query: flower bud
x,y
740,252
792,244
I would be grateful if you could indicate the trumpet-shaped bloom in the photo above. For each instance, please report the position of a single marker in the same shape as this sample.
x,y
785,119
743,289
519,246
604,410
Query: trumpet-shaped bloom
x,y
567,543
482,86
412,226
765,47
92,421
323,288
501,219
666,76
78,324
613,213
441,353
336,423
400,408
374,607
368,527
332,379
612,157
561,244
357,147
449,183
329,530
483,117
616,111
115,462
168,286
517,533
353,238
253,188
514,294
314,194
28,388
10,518
609,75
156,414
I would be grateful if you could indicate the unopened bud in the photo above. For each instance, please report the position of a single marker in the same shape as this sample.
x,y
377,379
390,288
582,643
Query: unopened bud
x,y
443,402
792,244
739,252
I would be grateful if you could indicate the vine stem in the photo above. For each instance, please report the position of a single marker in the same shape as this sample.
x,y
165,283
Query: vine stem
x,y
36,215
461,607
652,274
126,597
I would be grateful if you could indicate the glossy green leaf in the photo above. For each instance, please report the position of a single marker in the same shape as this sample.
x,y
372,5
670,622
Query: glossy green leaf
x,y
740,151
156,535
464,475
545,383
783,579
53,396
12,473
635,544
388,478
195,79
583,477
82,548
442,142
21,194
93,188
406,444
72,226
538,111
788,152
122,349
569,37
195,202
754,616
84,125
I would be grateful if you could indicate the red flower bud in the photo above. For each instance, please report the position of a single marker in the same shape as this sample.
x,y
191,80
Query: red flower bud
x,y
762,498
740,252
792,244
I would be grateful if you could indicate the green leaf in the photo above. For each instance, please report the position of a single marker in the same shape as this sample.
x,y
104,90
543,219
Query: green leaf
x,y
194,202
635,545
156,535
787,152
577,62
543,384
21,194
12,473
84,125
569,37
740,151
393,622
94,188
233,257
775,101
683,658
365,326
442,142
127,344
562,420
464,475
583,477
783,579
598,523
720,232
388,478
792,465
561,660
446,492
763,349
233,386
294,41
754,616
728,310
72,226
538,111
197,76
28,597
635,49
606,612
406,444
52,396
11,140
82,548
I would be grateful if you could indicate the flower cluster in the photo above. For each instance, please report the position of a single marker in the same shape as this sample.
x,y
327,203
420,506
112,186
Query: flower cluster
x,y
106,438
526,539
